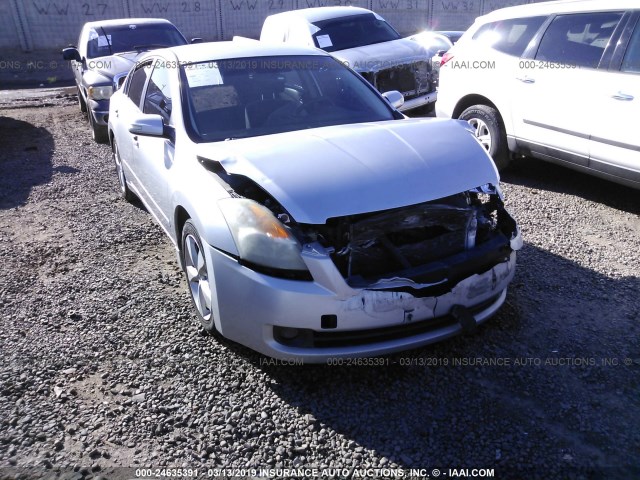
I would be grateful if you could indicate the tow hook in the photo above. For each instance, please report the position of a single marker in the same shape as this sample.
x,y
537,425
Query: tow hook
x,y
464,318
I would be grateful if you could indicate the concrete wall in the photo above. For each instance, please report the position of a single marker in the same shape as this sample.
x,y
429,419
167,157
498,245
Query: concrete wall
x,y
32,25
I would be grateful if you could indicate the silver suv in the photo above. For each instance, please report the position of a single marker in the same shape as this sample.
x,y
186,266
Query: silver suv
x,y
558,81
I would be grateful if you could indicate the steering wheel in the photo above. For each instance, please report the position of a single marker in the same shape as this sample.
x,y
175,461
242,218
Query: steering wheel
x,y
313,106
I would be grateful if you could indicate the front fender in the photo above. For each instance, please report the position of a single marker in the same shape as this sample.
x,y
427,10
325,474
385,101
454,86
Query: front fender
x,y
92,77
200,203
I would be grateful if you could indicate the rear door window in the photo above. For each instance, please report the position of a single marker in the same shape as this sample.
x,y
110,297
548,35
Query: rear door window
x,y
509,36
578,39
157,100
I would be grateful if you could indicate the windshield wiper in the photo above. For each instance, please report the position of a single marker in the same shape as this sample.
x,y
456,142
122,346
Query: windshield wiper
x,y
150,46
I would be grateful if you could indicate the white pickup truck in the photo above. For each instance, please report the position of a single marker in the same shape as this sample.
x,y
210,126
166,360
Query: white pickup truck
x,y
363,41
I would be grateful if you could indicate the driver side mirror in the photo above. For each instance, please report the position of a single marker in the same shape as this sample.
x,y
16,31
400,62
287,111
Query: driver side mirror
x,y
150,125
394,97
196,40
71,53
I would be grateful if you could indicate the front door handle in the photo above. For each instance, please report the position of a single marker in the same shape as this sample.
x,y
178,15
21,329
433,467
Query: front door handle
x,y
135,141
625,97
526,79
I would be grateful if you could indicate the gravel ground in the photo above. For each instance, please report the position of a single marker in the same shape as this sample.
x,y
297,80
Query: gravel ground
x,y
103,365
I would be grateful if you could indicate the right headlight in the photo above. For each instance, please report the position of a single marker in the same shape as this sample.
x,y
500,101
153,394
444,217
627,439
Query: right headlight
x,y
261,239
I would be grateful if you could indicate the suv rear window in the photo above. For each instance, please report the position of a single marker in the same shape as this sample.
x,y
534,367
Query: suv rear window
x,y
578,39
509,36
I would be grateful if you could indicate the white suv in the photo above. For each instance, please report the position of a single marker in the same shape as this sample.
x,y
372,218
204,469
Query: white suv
x,y
558,81
364,41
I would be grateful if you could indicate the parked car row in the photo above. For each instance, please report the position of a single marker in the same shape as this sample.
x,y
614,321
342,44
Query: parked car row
x,y
314,220
361,39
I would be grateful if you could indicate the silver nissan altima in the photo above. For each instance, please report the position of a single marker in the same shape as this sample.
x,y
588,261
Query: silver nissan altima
x,y
313,220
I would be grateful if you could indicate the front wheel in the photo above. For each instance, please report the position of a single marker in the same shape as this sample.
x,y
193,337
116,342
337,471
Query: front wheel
x,y
125,192
194,263
81,103
489,130
98,132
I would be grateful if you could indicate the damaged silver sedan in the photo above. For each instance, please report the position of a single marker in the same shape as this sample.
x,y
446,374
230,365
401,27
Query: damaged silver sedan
x,y
312,219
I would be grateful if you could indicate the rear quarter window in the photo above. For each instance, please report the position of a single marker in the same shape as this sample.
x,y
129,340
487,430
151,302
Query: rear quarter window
x,y
578,39
509,36
631,61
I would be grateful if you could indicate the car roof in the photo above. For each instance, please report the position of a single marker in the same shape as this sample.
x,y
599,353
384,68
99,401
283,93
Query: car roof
x,y
560,6
203,52
432,33
319,14
450,33
117,22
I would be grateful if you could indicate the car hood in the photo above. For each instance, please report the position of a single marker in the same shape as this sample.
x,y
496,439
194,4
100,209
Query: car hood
x,y
380,56
114,64
343,170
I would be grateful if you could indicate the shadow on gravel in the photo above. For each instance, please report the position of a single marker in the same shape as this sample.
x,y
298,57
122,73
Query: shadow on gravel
x,y
533,173
25,160
565,417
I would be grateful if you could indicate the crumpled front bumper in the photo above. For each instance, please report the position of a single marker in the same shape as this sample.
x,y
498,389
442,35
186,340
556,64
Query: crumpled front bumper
x,y
254,308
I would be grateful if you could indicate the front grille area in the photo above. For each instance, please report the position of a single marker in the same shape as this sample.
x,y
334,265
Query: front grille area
x,y
435,244
391,242
411,79
307,338
370,246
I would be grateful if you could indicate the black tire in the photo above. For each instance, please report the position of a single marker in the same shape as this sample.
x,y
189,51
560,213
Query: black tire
x,y
82,103
127,194
99,133
489,129
430,109
194,264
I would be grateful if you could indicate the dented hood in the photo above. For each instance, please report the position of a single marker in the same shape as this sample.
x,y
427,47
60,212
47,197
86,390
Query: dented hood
x,y
351,169
112,65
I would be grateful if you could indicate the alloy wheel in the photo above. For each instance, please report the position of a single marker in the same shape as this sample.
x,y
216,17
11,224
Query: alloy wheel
x,y
196,269
482,133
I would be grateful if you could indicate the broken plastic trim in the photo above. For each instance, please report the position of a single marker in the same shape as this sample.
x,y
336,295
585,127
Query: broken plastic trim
x,y
307,338
488,188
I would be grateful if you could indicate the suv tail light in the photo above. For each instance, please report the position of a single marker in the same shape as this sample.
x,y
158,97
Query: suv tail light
x,y
445,58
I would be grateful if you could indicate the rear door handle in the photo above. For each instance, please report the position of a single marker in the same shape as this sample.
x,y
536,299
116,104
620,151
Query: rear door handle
x,y
625,97
526,79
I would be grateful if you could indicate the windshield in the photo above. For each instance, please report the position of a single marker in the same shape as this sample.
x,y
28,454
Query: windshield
x,y
248,97
105,41
352,31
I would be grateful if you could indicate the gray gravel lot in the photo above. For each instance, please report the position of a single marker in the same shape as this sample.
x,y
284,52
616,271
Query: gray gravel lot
x,y
103,365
